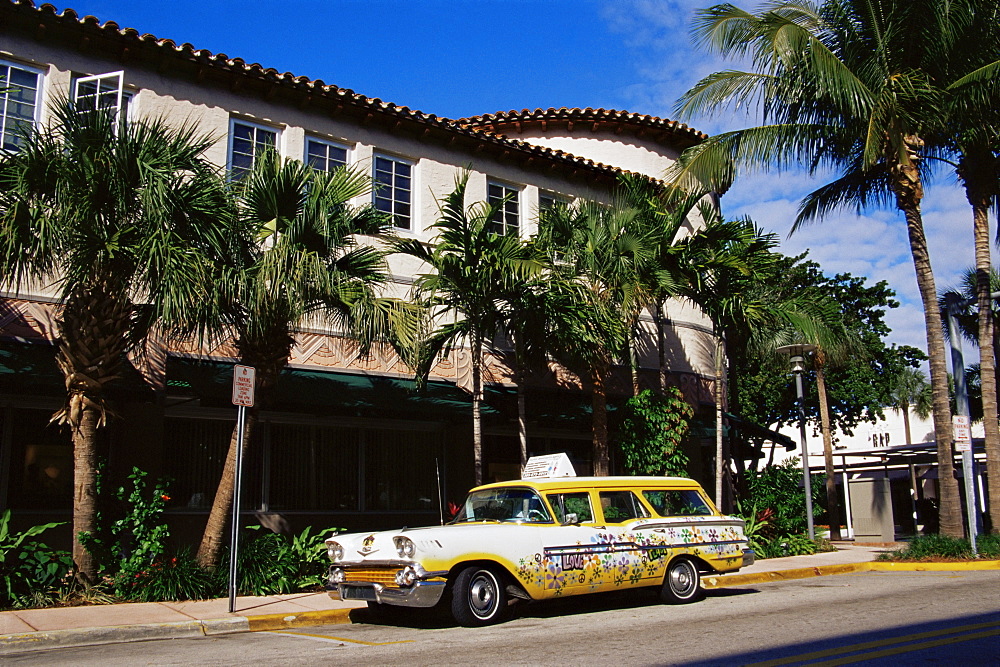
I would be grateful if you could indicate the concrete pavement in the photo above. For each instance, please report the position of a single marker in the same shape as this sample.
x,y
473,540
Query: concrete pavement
x,y
37,629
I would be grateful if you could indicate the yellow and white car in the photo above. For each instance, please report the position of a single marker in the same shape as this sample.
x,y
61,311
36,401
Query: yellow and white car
x,y
540,538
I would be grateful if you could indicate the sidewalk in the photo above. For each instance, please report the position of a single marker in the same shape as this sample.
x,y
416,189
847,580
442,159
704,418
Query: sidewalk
x,y
36,629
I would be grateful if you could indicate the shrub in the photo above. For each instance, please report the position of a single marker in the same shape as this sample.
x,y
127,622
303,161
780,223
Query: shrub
x,y
651,433
30,571
929,547
270,563
177,577
778,489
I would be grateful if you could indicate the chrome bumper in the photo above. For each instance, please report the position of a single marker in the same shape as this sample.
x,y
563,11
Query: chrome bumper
x,y
425,591
748,557
421,594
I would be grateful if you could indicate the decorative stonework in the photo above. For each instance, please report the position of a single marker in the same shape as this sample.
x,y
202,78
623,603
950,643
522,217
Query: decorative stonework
x,y
36,320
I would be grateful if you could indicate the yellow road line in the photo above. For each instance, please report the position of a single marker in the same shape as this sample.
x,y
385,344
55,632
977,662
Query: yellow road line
x,y
883,642
339,639
910,648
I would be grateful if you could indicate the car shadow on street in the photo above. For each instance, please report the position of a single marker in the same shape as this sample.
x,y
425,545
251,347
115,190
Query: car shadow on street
x,y
440,616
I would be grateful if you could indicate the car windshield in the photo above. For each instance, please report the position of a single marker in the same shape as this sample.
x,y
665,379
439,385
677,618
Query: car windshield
x,y
504,504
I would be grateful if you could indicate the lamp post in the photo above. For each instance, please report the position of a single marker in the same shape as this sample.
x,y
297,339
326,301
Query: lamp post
x,y
796,355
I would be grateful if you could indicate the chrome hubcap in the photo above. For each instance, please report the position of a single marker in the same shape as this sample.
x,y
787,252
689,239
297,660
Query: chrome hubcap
x,y
482,594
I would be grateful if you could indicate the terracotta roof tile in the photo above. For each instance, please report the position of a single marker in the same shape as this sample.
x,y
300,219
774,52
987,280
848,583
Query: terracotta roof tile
x,y
479,128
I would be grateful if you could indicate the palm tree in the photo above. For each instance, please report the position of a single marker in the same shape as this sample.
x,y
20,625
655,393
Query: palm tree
x,y
598,251
749,314
910,391
969,131
844,84
294,258
116,215
471,269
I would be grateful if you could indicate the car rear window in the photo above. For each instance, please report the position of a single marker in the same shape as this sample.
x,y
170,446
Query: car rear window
x,y
621,506
677,502
571,503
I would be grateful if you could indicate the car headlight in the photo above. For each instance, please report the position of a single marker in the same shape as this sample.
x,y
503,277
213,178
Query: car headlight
x,y
334,551
336,576
404,547
406,577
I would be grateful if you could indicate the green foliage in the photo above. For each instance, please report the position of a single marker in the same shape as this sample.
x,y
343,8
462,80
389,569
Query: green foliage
x,y
29,569
776,492
137,541
934,547
652,429
859,384
165,577
271,563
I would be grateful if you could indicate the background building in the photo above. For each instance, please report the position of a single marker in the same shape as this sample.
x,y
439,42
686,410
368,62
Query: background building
x,y
346,442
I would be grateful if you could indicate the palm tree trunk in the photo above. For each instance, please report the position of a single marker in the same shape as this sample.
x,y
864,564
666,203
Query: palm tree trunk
x,y
987,368
661,351
599,405
832,500
218,517
633,356
908,188
906,424
93,338
477,397
85,492
522,412
268,353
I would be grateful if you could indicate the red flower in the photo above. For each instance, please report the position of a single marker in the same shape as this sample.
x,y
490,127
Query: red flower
x,y
165,497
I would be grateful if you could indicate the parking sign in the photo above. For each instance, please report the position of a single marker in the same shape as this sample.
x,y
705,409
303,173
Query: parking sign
x,y
243,385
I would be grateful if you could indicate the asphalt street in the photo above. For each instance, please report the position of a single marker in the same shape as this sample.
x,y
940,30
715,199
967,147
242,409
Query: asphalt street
x,y
950,618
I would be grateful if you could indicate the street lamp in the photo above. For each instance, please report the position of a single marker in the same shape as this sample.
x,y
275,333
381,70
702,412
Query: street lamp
x,y
796,355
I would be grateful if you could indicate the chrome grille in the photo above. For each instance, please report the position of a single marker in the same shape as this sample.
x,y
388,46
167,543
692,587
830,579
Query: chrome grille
x,y
385,576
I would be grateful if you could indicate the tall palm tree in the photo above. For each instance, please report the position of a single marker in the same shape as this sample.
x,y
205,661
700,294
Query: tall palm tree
x,y
599,252
470,270
910,391
749,315
842,84
116,215
293,258
973,133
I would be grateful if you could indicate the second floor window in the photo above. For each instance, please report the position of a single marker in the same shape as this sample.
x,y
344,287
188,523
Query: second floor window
x,y
393,190
506,221
247,142
18,104
324,156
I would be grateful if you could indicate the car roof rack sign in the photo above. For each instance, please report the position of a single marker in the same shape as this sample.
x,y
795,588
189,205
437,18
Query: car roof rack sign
x,y
549,465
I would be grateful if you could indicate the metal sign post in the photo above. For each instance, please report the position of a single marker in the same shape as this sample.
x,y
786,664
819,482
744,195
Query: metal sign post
x,y
960,425
243,394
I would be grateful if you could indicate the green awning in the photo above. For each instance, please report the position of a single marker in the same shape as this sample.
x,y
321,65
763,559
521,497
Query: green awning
x,y
327,392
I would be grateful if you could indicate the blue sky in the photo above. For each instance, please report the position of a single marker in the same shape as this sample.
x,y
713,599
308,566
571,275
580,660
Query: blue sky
x,y
465,57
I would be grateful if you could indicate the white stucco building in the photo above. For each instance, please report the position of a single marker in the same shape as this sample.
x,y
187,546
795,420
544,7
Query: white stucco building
x,y
318,451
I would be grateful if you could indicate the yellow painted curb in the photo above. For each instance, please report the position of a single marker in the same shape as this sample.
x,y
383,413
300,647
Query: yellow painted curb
x,y
284,621
893,566
780,575
722,581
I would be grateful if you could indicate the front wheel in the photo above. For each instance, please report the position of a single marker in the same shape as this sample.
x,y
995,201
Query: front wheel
x,y
682,582
478,597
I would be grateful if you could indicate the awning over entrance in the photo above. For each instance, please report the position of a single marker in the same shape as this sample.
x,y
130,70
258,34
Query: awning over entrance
x,y
326,392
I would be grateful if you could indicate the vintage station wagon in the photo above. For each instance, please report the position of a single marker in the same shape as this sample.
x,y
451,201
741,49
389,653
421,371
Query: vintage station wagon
x,y
540,538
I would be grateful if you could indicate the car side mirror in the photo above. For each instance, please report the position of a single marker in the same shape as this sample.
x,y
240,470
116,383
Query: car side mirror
x,y
571,520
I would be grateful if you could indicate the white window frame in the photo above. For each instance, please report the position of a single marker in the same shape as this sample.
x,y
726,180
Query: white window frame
x,y
392,198
514,192
233,122
5,100
118,89
556,200
328,144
